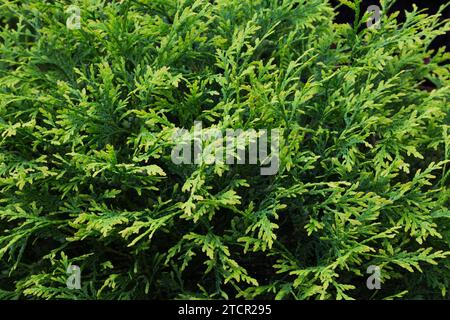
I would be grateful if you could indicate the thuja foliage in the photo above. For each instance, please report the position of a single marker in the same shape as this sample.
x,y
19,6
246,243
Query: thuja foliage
x,y
87,118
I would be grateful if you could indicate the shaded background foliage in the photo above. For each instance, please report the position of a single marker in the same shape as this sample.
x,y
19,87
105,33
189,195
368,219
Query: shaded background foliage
x,y
86,124
345,14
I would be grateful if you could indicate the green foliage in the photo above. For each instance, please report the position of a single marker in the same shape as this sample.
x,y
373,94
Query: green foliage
x,y
86,178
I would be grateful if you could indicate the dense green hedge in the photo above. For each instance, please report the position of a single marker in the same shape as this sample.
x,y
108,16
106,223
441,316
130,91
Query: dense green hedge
x,y
87,118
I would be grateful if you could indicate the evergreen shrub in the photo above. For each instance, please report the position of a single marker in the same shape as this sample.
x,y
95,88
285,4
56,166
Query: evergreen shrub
x,y
87,117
